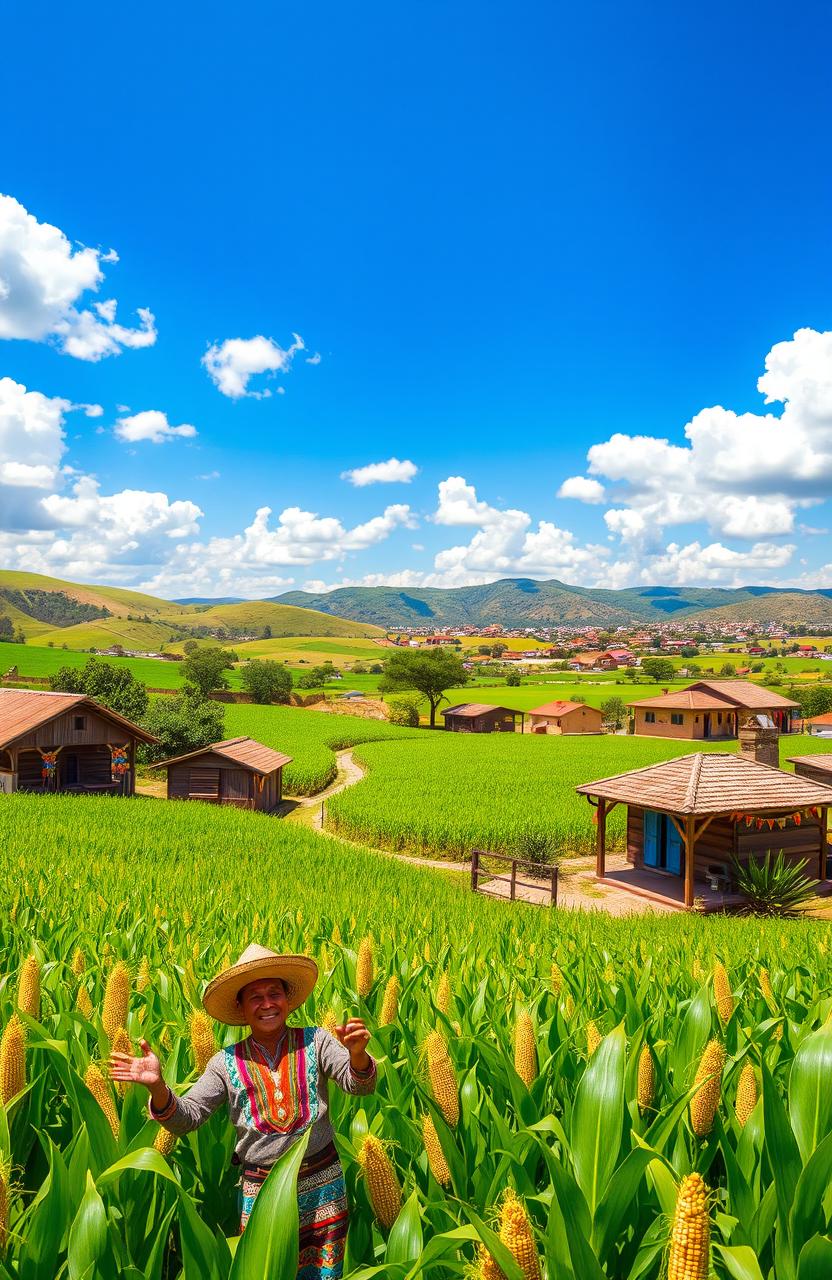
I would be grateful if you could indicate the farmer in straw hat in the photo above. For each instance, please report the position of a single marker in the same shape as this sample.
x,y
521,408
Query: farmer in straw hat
x,y
275,1084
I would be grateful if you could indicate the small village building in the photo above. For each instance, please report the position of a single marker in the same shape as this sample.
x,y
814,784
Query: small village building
x,y
711,709
593,660
65,742
817,768
481,717
688,819
820,726
239,772
565,717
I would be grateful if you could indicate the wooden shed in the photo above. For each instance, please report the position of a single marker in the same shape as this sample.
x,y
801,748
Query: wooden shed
x,y
565,717
481,717
65,742
689,818
239,772
817,768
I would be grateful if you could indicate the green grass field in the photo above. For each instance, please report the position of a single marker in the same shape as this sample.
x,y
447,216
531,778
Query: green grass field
x,y
448,793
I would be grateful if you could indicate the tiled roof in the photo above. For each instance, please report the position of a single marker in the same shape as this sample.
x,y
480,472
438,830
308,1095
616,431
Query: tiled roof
x,y
556,708
24,710
684,700
826,718
823,760
710,782
244,751
745,693
475,709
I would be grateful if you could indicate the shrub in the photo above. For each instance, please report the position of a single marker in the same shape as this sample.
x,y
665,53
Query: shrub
x,y
404,711
777,888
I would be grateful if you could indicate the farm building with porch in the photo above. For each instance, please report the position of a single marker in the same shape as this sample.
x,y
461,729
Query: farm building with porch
x,y
65,742
689,819
481,717
565,717
711,709
239,772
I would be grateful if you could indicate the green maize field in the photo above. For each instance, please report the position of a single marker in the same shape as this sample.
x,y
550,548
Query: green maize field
x,y
595,1159
449,793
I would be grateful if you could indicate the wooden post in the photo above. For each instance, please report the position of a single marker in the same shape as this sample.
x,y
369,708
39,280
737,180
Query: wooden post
x,y
131,777
554,884
690,846
601,844
824,819
513,878
475,866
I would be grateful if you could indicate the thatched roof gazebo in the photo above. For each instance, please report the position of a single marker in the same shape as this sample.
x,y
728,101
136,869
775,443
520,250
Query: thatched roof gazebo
x,y
690,818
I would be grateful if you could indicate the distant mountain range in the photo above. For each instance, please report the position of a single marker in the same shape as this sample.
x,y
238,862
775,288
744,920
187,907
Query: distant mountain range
x,y
523,602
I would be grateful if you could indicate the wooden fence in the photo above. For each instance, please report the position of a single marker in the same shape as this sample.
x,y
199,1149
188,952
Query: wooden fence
x,y
545,874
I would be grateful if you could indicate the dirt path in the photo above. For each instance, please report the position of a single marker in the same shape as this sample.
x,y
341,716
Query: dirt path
x,y
307,809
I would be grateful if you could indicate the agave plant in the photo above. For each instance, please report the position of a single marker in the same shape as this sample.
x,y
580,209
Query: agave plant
x,y
774,888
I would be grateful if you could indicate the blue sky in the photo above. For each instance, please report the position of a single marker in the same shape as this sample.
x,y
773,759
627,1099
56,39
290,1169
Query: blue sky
x,y
524,249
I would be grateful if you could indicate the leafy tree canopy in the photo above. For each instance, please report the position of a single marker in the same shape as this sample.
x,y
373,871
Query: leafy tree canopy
x,y
183,723
428,673
205,668
112,685
267,681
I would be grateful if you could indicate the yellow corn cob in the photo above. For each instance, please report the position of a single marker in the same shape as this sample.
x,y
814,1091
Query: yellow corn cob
x,y
364,967
746,1095
516,1234
383,1186
5,1201
326,959
78,962
329,1021
203,1040
569,1006
708,1078
164,1038
187,918
443,993
723,995
433,1147
164,1142
99,1089
336,935
83,1003
144,979
28,987
442,1078
12,1059
646,1079
427,951
593,1038
765,988
609,973
390,1002
121,1043
690,1234
525,1049
116,1000
556,979
696,969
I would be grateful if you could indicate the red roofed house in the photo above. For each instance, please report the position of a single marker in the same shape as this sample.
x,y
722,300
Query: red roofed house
x,y
565,717
65,742
711,709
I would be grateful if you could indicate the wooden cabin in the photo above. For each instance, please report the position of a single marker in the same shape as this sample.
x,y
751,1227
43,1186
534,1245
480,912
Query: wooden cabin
x,y
65,742
565,717
711,709
240,772
481,717
817,768
689,818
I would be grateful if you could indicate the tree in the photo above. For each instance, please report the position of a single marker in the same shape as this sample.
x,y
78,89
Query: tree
x,y
183,723
428,673
267,681
727,669
267,632
113,686
189,647
513,679
498,649
614,711
658,669
324,673
6,627
204,668
404,711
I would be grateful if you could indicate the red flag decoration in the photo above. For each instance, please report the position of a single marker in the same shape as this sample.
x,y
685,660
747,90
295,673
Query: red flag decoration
x,y
595,816
796,817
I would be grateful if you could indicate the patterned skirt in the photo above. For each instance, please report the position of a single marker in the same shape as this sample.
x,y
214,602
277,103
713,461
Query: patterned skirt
x,y
322,1207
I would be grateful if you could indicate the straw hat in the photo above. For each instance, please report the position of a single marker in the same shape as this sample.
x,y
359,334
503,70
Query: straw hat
x,y
298,972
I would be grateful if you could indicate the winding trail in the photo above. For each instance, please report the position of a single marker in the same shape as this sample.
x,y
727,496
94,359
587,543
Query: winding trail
x,y
577,888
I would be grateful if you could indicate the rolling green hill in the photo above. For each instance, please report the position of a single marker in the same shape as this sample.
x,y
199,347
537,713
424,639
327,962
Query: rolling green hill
x,y
253,616
523,602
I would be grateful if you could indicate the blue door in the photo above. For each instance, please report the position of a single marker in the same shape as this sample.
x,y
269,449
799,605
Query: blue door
x,y
662,843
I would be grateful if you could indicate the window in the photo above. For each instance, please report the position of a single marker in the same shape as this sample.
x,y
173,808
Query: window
x,y
79,723
676,717
649,717
719,717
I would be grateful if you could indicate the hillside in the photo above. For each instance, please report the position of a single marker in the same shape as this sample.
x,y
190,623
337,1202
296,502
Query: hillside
x,y
50,611
522,602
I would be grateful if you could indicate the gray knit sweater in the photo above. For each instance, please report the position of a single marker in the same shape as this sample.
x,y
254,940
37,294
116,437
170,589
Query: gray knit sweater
x,y
270,1102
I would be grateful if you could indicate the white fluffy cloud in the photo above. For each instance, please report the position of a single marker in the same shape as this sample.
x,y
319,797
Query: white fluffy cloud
x,y
582,489
390,472
151,425
42,279
233,363
31,436
744,475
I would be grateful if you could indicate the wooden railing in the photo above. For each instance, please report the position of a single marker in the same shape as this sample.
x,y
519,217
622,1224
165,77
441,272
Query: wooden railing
x,y
545,873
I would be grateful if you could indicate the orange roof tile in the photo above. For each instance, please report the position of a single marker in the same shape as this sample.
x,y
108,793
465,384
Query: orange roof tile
x,y
23,710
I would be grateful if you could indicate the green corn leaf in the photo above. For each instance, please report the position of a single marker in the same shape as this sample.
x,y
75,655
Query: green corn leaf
x,y
405,1241
810,1095
597,1117
269,1247
87,1236
740,1261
